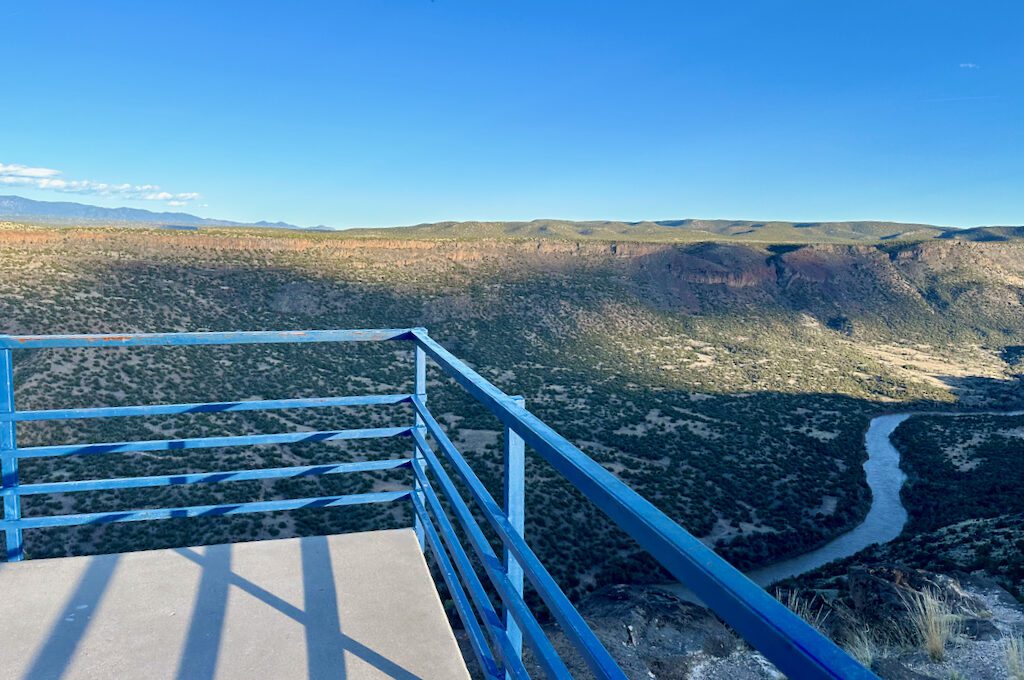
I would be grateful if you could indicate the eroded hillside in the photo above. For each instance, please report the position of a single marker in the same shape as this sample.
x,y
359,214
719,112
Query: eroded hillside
x,y
730,383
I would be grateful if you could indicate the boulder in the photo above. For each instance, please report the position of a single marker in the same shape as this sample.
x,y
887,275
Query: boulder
x,y
651,632
878,594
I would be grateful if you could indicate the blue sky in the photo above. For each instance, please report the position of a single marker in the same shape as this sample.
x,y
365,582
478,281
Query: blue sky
x,y
407,111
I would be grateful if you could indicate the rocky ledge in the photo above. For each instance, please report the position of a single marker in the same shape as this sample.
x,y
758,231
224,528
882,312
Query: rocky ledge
x,y
873,611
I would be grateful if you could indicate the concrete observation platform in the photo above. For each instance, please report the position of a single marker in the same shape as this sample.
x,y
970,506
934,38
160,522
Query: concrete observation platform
x,y
355,606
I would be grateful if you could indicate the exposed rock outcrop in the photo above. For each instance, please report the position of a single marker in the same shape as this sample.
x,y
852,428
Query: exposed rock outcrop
x,y
653,635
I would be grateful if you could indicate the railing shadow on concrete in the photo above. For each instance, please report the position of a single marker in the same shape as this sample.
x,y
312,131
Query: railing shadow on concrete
x,y
325,640
69,628
496,633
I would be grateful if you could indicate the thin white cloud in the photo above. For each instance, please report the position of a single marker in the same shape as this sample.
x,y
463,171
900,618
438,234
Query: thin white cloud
x,y
26,171
49,179
969,65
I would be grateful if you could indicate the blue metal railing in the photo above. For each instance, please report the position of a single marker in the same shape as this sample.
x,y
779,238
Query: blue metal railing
x,y
496,637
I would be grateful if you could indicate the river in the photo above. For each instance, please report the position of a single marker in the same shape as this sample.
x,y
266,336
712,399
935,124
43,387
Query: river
x,y
885,518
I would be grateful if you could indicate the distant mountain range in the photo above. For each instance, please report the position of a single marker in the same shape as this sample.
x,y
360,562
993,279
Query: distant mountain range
x,y
16,208
67,212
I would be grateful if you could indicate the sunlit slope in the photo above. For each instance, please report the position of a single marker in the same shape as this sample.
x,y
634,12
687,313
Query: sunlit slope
x,y
728,382
668,231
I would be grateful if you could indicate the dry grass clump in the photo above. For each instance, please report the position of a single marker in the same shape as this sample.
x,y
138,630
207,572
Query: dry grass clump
x,y
932,620
1015,657
861,643
816,614
866,641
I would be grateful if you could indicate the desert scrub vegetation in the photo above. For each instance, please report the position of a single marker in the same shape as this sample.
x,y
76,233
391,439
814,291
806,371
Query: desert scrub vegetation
x,y
960,468
962,495
723,397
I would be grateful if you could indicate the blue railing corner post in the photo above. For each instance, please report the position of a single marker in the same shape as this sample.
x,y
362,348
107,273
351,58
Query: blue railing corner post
x,y
8,456
420,390
515,509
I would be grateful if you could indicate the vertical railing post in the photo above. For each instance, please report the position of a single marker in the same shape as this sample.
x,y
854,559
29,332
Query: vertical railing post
x,y
8,461
420,389
515,509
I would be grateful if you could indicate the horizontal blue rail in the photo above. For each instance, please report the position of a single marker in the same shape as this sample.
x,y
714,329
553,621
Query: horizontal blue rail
x,y
208,407
191,339
207,477
496,630
207,442
203,510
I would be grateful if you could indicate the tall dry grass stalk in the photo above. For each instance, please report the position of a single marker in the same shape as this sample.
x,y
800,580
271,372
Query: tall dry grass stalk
x,y
1015,657
861,644
805,608
867,641
933,621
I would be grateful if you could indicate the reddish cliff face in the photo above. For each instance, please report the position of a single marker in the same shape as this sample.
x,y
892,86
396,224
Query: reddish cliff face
x,y
709,264
843,273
